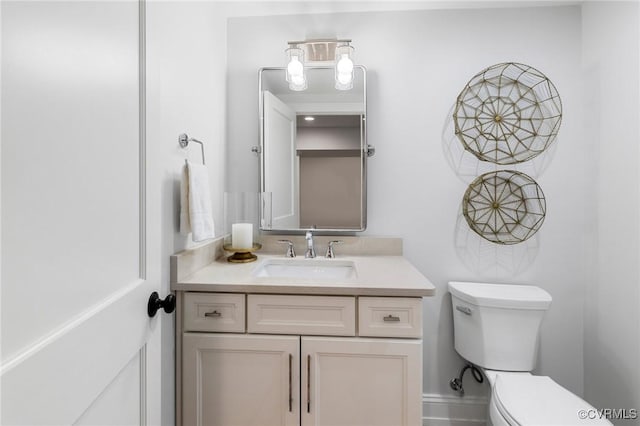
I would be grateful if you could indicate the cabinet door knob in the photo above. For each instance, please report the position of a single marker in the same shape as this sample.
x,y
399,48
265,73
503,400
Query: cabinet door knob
x,y
155,303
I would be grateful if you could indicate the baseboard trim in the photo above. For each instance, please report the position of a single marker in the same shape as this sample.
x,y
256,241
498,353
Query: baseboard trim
x,y
447,410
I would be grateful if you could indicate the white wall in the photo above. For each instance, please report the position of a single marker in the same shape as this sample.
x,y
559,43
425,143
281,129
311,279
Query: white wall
x,y
612,315
186,73
418,62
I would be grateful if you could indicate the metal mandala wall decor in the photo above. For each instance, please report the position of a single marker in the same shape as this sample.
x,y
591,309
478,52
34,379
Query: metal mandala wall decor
x,y
504,207
508,113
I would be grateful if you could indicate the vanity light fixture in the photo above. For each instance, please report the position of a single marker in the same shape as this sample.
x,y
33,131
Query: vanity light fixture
x,y
320,51
309,118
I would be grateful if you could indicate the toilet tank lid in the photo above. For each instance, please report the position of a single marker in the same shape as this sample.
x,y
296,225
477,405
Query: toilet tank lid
x,y
501,295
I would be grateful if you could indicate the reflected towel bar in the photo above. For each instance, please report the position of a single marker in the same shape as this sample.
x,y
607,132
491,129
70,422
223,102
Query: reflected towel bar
x,y
184,140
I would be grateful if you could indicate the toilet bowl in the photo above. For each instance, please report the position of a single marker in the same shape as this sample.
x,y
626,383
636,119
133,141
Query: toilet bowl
x,y
519,399
496,327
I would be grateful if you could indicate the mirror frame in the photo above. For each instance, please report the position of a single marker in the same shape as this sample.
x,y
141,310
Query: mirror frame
x,y
364,153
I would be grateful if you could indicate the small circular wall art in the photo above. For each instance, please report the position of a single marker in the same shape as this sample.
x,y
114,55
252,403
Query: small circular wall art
x,y
504,207
507,114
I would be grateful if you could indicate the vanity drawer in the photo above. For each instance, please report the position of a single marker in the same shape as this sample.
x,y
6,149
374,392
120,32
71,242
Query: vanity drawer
x,y
309,315
390,317
221,312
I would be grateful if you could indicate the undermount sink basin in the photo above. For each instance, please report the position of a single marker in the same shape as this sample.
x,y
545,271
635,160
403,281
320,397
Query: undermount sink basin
x,y
322,269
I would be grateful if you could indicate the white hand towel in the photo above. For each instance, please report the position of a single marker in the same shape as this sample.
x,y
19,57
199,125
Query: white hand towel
x,y
196,214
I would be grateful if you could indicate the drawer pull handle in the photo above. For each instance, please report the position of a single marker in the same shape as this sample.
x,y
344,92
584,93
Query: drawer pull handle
x,y
391,318
214,314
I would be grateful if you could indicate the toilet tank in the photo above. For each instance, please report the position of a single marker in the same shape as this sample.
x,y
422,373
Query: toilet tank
x,y
497,326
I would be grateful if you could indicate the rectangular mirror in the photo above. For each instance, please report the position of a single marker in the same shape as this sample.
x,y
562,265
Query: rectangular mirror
x,y
313,152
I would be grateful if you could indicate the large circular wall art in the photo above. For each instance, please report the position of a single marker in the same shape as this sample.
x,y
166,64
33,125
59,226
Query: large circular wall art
x,y
504,207
508,113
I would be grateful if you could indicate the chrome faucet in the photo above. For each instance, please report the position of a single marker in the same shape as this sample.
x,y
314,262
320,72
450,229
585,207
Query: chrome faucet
x,y
290,251
330,254
310,253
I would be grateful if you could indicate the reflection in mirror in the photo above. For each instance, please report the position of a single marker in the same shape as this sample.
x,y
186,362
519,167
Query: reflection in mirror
x,y
313,154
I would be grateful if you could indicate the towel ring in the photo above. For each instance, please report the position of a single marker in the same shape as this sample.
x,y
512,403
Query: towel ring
x,y
184,140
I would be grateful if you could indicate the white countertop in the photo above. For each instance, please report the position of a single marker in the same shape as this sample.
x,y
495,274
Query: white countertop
x,y
376,275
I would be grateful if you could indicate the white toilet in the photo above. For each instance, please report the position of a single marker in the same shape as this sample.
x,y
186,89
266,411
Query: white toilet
x,y
497,328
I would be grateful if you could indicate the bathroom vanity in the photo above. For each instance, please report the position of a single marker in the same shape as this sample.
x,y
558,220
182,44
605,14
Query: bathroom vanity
x,y
299,341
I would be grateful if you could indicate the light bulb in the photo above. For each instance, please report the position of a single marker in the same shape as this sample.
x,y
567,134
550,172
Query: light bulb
x,y
345,64
344,78
295,67
298,83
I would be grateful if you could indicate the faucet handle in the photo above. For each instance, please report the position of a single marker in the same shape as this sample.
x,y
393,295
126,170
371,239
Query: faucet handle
x,y
290,252
330,254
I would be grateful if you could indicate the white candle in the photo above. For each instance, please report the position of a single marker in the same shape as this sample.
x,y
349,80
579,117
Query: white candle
x,y
242,235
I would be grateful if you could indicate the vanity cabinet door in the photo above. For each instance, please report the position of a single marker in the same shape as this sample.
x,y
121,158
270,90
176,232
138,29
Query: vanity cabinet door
x,y
356,381
235,379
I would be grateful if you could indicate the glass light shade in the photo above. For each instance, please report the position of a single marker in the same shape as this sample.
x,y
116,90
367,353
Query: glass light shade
x,y
344,67
296,74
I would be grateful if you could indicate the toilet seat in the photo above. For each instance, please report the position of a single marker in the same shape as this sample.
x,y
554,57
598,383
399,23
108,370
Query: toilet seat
x,y
525,400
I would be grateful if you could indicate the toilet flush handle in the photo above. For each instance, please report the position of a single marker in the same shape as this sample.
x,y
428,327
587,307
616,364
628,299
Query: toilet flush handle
x,y
465,310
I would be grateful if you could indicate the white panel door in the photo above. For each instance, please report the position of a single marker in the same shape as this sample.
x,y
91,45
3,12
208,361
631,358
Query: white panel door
x,y
361,382
240,380
79,218
281,166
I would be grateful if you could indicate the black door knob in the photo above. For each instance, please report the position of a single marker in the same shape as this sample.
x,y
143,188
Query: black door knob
x,y
155,303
